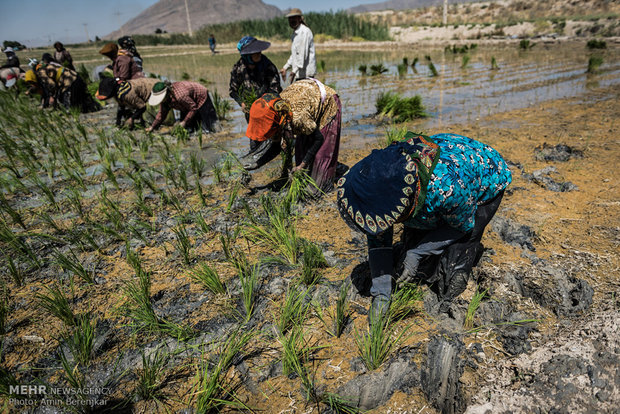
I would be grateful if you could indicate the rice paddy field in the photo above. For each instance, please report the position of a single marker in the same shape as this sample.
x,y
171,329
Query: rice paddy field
x,y
152,273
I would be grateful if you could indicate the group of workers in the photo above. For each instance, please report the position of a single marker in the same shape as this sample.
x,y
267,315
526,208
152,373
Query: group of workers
x,y
443,188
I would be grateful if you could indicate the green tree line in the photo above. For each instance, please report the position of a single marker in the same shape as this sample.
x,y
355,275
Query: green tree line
x,y
339,25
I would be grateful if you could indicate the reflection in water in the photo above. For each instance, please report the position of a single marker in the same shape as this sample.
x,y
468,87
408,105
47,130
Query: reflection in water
x,y
458,95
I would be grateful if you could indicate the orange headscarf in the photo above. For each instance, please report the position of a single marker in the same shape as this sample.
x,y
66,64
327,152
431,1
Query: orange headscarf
x,y
268,115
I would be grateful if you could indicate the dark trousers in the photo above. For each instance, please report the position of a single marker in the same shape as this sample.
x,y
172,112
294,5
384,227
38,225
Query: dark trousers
x,y
448,272
205,118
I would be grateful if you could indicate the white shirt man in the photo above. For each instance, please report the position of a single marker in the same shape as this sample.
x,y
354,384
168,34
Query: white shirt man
x,y
302,61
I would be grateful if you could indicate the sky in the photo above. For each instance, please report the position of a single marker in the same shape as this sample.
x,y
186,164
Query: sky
x,y
42,22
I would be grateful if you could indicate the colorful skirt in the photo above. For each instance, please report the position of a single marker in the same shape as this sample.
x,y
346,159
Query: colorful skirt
x,y
323,169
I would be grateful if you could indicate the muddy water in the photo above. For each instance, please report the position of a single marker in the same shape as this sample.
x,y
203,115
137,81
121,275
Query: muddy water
x,y
457,95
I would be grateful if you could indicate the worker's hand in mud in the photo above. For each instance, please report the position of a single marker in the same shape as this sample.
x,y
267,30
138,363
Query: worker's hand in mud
x,y
410,268
129,123
149,129
182,124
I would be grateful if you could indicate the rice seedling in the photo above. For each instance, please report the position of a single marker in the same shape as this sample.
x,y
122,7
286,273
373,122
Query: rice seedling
x,y
214,388
405,300
197,165
296,353
525,44
75,200
222,106
293,311
182,242
72,264
340,316
72,374
232,195
248,276
465,61
414,63
202,223
279,233
474,304
185,76
363,69
152,375
338,404
17,244
207,277
402,69
596,44
432,69
7,381
378,69
393,105
183,178
139,308
300,186
201,195
14,214
45,190
594,63
393,134
217,173
180,133
376,345
55,303
494,65
312,259
80,339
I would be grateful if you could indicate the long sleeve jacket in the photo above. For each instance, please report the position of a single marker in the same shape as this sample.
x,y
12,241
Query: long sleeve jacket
x,y
125,67
263,78
302,61
187,97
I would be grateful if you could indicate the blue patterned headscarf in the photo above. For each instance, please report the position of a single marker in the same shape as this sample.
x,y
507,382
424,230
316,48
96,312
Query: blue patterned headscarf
x,y
389,185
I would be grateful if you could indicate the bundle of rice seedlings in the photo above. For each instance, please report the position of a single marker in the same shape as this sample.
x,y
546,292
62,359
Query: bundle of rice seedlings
x,y
474,304
402,69
152,375
293,311
393,134
594,63
525,44
392,105
363,69
312,260
494,65
376,345
596,44
465,61
222,105
377,69
54,302
80,339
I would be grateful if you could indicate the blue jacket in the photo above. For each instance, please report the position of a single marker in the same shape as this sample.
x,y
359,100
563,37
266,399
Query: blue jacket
x,y
467,174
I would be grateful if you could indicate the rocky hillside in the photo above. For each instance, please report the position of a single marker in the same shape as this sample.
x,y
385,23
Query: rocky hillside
x,y
394,5
171,16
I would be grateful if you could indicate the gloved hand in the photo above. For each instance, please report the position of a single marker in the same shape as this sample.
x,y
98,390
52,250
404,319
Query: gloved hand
x,y
409,268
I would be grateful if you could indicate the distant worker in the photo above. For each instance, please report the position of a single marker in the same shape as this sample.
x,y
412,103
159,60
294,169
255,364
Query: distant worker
x,y
9,76
64,85
132,94
123,64
253,75
191,98
124,68
212,43
62,56
302,61
12,61
127,44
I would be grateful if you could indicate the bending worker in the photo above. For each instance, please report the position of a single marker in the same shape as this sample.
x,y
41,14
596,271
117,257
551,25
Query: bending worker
x,y
306,111
444,189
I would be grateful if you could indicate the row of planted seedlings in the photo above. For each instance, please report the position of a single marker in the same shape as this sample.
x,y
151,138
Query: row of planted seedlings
x,y
80,204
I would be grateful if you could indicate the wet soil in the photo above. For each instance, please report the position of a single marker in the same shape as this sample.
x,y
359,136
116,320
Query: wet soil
x,y
545,339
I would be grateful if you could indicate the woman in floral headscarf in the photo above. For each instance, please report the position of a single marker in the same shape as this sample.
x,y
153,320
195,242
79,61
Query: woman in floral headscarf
x,y
444,189
309,112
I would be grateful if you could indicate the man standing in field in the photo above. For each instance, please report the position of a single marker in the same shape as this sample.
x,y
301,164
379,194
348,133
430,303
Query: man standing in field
x,y
302,61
